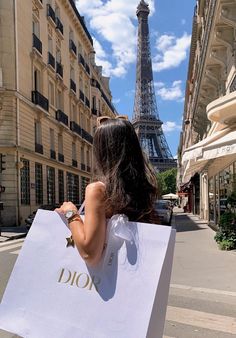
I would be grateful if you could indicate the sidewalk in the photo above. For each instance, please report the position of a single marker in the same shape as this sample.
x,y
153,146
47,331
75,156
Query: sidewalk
x,y
9,233
197,260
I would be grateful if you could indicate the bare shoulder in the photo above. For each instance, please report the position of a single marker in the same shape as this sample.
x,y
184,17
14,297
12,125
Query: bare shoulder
x,y
96,189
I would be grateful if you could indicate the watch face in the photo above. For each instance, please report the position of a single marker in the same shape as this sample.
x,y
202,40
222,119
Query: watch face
x,y
69,214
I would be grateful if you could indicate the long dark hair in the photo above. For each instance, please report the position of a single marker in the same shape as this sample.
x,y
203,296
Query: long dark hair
x,y
131,185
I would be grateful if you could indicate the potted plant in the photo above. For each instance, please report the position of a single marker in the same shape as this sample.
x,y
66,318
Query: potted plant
x,y
226,234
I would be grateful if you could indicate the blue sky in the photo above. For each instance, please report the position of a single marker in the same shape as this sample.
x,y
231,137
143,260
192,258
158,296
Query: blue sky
x,y
113,26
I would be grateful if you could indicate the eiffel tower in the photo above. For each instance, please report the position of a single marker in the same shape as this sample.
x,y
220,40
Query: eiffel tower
x,y
145,119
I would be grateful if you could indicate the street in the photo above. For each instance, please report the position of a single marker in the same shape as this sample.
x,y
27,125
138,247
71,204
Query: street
x,y
202,299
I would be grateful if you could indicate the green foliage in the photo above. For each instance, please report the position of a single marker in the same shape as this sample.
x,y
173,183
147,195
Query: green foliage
x,y
226,234
167,181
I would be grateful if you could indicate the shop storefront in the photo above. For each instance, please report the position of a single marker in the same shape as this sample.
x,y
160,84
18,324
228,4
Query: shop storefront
x,y
222,193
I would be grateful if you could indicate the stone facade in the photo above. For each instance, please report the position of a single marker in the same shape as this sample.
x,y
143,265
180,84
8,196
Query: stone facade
x,y
210,104
51,92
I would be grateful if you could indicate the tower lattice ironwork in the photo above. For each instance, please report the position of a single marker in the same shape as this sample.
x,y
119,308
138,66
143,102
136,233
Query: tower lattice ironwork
x,y
146,120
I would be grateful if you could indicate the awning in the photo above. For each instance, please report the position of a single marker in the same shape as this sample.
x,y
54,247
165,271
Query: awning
x,y
224,146
192,168
196,150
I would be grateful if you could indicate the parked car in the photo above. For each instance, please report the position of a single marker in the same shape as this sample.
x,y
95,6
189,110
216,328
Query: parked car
x,y
164,210
29,220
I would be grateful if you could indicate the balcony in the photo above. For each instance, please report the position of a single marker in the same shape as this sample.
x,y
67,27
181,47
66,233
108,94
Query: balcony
x,y
59,26
39,3
37,44
81,95
223,109
87,136
60,157
51,14
59,69
38,148
95,83
81,60
83,166
87,102
75,128
72,47
87,68
52,154
39,100
62,117
74,163
73,85
51,60
94,111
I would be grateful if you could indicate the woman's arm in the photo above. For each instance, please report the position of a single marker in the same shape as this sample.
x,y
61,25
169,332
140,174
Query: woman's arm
x,y
89,236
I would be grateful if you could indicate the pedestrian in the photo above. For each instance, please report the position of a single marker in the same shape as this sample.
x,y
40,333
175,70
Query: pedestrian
x,y
125,184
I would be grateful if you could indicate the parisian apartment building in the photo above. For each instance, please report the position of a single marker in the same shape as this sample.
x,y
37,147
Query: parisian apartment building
x,y
207,149
51,92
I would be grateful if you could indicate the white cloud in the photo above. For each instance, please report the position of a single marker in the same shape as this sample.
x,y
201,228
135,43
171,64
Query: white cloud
x,y
170,126
171,51
115,101
169,94
113,21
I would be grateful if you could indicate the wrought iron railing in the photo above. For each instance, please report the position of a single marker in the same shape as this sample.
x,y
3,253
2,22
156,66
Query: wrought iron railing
x,y
51,13
59,69
37,43
72,46
62,117
51,60
72,85
39,99
59,25
52,154
38,148
75,127
60,157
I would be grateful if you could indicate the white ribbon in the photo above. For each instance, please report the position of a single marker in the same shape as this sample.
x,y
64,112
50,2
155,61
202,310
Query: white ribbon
x,y
118,231
119,227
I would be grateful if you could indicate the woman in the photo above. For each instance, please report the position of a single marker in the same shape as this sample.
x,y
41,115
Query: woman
x,y
125,185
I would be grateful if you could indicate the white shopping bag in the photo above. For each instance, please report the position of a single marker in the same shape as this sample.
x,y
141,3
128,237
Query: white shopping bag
x,y
53,294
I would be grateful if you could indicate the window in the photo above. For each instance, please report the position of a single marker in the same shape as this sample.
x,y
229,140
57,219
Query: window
x,y
51,93
74,157
60,144
88,158
37,80
58,55
25,182
38,132
36,29
81,85
38,183
82,155
94,102
52,139
72,188
50,185
50,44
84,182
72,73
57,12
59,100
73,113
61,186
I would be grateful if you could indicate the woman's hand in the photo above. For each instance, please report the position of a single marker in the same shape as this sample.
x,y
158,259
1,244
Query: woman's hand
x,y
66,206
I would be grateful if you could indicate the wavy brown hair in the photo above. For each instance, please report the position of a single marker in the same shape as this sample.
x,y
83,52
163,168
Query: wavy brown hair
x,y
131,184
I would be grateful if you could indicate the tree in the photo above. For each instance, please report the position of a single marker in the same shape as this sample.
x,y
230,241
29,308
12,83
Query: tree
x,y
167,181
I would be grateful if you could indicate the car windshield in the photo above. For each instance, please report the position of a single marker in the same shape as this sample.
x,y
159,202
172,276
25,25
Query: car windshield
x,y
161,205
